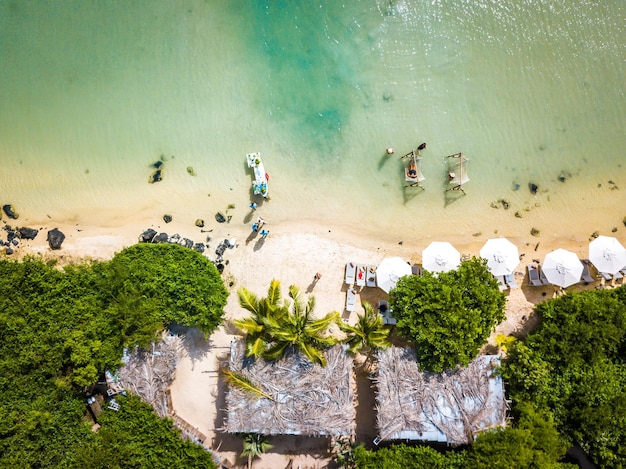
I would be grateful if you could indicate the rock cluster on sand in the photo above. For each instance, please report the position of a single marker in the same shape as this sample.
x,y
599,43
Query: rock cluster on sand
x,y
55,238
10,212
14,235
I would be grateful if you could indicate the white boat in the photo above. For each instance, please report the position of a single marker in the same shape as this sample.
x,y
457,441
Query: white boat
x,y
260,176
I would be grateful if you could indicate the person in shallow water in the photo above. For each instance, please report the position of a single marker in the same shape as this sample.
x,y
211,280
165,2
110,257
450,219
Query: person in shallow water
x,y
421,147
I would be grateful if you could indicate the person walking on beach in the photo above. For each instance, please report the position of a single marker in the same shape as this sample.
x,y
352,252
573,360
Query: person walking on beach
x,y
253,205
264,233
316,277
255,227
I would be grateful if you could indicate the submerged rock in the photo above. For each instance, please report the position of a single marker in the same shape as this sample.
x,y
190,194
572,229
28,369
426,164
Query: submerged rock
x,y
55,238
167,218
564,176
533,187
10,211
156,176
219,216
200,223
595,234
535,232
190,171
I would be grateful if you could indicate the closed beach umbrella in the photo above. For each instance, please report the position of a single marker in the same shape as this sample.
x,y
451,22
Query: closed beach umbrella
x,y
440,257
502,256
389,271
607,254
562,268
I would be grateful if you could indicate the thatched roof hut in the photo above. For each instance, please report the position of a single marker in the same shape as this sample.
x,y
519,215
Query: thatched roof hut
x,y
306,399
449,407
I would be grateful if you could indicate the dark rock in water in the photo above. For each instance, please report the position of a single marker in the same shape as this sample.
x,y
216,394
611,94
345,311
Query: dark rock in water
x,y
611,182
9,251
28,233
518,214
200,223
156,176
190,171
477,234
595,234
614,229
535,232
624,221
55,238
147,235
505,203
167,218
533,188
219,216
10,211
158,165
564,176
186,242
160,238
198,247
516,186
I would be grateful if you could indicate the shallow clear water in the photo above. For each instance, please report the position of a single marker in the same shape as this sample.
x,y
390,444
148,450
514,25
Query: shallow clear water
x,y
93,92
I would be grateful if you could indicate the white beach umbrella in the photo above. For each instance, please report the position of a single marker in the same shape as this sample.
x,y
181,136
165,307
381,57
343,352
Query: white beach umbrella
x,y
502,256
440,257
562,268
389,271
607,254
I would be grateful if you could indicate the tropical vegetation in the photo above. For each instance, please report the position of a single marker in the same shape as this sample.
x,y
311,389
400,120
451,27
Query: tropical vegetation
x,y
254,445
61,328
448,317
277,326
368,335
573,366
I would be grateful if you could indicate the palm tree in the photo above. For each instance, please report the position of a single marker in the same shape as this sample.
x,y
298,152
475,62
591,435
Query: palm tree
x,y
264,311
368,335
296,329
254,444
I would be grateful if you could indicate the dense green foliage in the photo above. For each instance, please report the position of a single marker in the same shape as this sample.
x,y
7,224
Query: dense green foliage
x,y
274,328
186,285
450,316
61,329
136,437
532,443
369,334
573,366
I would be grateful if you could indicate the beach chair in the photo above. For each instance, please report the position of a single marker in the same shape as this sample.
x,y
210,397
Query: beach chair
x,y
419,176
416,269
606,276
502,283
350,299
533,276
543,278
370,276
586,275
361,275
350,273
510,281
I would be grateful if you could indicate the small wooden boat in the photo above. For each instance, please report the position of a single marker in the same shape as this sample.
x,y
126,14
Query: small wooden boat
x,y
259,185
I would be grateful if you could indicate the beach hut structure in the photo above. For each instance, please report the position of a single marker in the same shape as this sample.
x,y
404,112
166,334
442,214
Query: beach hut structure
x,y
457,172
302,398
450,407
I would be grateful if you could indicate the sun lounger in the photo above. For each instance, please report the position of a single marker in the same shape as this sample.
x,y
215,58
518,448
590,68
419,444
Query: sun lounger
x,y
390,320
586,275
370,276
350,299
606,276
501,283
350,273
533,276
361,275
510,281
543,278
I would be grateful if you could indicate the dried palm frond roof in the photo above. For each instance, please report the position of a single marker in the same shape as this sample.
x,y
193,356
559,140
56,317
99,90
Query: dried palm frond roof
x,y
305,399
148,373
447,407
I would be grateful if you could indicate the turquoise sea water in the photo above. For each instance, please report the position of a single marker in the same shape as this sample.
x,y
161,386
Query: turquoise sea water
x,y
92,92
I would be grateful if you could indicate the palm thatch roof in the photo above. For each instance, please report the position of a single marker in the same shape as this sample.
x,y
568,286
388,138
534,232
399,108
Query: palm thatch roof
x,y
148,373
449,407
304,399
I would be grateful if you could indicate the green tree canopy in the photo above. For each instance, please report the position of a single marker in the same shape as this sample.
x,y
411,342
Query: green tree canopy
x,y
187,287
573,366
450,316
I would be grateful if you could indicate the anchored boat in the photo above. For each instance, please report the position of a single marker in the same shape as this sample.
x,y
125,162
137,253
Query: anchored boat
x,y
260,176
